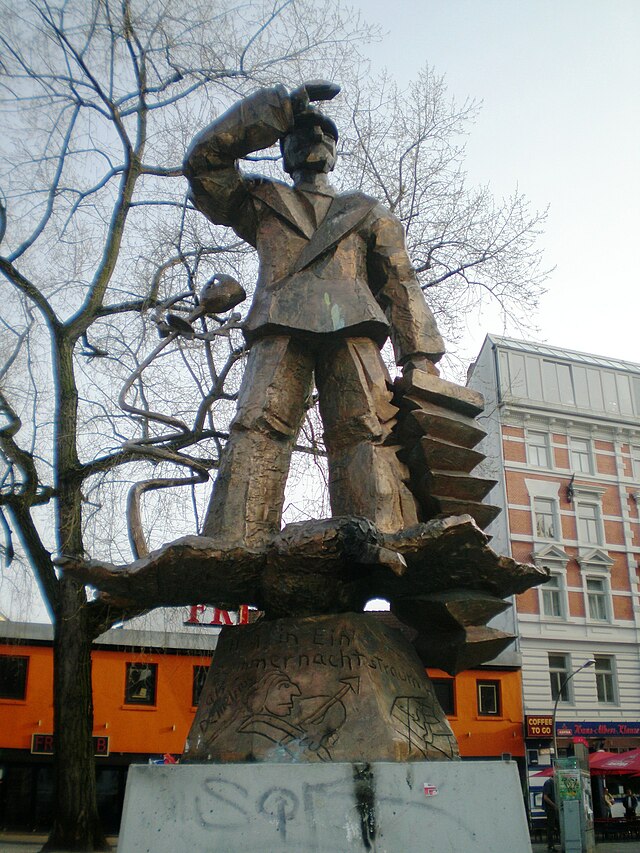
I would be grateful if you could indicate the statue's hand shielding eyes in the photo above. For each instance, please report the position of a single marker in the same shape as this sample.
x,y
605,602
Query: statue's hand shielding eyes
x,y
313,90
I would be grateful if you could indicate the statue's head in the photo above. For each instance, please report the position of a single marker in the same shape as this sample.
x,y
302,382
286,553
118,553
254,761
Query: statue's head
x,y
311,145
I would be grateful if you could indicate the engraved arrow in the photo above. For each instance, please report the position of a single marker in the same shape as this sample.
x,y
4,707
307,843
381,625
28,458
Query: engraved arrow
x,y
351,684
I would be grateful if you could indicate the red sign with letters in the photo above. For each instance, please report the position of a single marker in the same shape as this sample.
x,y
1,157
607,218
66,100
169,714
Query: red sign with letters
x,y
42,744
198,616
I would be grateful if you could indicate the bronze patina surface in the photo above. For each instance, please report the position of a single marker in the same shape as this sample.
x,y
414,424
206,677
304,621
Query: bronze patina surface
x,y
321,688
442,578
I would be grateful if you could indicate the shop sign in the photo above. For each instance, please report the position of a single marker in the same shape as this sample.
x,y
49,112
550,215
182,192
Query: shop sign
x,y
538,727
541,727
597,729
199,614
42,744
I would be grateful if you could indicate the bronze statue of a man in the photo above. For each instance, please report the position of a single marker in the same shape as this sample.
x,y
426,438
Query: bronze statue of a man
x,y
335,282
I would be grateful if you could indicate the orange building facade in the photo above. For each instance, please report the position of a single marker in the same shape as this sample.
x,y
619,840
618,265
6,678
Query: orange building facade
x,y
145,690
146,687
484,729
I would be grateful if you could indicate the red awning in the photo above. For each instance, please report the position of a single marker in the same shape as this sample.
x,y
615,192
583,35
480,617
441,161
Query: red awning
x,y
617,763
548,771
595,761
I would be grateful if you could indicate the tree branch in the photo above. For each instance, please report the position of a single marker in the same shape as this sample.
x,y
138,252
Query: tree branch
x,y
39,557
31,291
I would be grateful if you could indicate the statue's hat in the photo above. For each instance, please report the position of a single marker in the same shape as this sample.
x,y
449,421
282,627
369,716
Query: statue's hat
x,y
311,117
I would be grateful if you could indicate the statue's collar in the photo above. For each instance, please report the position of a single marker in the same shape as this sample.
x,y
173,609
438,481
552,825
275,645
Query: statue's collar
x,y
346,212
309,187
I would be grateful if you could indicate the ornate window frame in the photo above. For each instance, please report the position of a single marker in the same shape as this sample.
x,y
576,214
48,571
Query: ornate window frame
x,y
596,564
554,558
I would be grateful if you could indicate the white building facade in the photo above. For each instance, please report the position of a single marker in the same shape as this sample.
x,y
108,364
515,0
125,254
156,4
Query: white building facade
x,y
564,444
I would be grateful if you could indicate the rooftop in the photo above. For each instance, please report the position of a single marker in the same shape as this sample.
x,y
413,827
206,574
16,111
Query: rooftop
x,y
562,354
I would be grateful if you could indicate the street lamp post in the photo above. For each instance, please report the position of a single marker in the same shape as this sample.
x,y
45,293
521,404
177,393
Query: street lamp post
x,y
555,707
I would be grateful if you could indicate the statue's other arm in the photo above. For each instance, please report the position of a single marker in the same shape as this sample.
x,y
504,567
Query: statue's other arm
x,y
218,187
414,332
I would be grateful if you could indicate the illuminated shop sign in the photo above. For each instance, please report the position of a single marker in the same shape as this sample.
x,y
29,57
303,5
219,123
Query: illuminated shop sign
x,y
538,726
541,727
597,729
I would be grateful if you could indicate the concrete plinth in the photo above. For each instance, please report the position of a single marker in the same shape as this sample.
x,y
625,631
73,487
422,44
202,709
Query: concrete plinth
x,y
431,807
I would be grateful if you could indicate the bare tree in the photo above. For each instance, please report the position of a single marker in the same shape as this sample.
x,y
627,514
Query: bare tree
x,y
114,384
99,100
407,147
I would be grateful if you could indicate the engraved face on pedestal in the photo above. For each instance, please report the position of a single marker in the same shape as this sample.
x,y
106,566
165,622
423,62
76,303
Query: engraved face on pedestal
x,y
274,695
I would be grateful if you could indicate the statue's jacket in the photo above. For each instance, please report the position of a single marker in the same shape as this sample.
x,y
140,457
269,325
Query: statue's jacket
x,y
348,275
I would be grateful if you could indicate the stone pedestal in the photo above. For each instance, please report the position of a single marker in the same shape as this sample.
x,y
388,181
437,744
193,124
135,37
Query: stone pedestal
x,y
430,807
319,688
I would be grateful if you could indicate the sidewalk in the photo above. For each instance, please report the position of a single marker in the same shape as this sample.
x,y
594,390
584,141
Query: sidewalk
x,y
16,842
31,842
601,847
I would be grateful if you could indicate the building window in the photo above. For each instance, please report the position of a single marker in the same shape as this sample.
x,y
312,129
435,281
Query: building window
x,y
538,449
558,675
513,374
445,694
558,386
544,511
580,449
552,597
589,526
605,679
140,688
489,698
597,595
199,678
13,676
524,375
635,463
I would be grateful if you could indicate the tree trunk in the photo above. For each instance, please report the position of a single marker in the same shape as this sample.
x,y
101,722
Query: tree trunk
x,y
76,825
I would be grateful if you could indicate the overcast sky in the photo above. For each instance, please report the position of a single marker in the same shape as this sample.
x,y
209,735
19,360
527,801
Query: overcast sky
x,y
560,86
